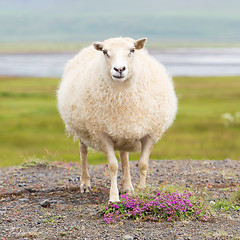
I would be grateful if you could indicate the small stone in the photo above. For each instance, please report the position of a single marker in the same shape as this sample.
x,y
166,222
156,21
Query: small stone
x,y
70,180
45,203
22,184
62,234
24,199
212,202
227,160
128,237
30,190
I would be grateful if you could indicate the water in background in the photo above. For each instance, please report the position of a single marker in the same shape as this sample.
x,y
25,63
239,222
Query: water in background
x,y
179,62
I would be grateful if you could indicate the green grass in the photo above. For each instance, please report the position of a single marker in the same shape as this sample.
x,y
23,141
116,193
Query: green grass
x,y
42,47
56,47
30,126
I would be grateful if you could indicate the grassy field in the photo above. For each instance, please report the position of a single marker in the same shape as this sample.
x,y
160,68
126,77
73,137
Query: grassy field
x,y
31,128
9,48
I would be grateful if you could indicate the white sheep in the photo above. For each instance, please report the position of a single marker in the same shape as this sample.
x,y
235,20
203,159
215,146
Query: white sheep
x,y
115,96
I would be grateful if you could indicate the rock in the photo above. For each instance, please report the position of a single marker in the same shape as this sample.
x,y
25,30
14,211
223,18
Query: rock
x,y
70,180
45,203
127,237
227,160
24,199
30,190
3,212
22,184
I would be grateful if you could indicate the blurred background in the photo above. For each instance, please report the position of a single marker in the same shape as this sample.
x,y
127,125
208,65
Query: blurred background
x,y
164,22
197,41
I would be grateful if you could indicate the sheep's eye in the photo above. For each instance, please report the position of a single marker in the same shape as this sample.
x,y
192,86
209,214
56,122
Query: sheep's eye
x,y
132,50
105,52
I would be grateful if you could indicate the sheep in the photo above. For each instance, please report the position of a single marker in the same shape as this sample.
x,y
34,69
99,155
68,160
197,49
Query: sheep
x,y
114,96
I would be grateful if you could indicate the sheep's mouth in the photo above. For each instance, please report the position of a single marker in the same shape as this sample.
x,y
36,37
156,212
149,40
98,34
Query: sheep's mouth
x,y
118,77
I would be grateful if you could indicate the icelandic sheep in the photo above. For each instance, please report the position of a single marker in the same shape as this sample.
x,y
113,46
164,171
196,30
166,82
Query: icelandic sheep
x,y
115,96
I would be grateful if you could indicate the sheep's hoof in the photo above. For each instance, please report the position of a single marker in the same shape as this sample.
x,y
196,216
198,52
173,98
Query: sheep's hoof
x,y
112,200
128,189
85,188
141,186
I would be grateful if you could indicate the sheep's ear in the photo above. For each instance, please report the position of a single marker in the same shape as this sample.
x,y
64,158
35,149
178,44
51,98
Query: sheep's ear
x,y
98,46
139,44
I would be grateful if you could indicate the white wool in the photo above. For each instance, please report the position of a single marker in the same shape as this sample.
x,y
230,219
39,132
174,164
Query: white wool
x,y
91,103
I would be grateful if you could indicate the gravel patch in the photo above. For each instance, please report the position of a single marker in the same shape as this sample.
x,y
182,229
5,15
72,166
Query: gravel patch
x,y
44,202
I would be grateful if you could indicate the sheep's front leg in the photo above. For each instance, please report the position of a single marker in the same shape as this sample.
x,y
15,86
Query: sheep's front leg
x,y
85,179
108,148
126,177
146,149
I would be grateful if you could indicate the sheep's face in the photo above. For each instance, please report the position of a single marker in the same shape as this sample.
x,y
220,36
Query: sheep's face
x,y
119,54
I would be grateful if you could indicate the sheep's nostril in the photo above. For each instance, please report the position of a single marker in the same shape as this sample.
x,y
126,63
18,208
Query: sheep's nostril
x,y
123,69
116,69
120,70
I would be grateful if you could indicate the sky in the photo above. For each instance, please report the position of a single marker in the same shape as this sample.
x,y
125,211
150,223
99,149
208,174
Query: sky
x,y
204,21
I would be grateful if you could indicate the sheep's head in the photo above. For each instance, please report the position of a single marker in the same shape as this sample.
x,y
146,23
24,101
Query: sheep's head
x,y
119,54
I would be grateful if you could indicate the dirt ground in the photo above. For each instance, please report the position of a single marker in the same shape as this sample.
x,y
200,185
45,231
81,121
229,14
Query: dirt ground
x,y
44,201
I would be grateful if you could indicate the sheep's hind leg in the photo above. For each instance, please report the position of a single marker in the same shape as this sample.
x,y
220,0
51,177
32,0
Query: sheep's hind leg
x,y
85,178
126,177
146,148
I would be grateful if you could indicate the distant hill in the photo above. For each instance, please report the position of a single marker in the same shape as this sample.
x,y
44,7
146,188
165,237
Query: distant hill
x,y
168,21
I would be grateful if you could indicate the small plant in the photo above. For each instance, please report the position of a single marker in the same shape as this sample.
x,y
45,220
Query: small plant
x,y
225,205
229,119
228,205
155,205
35,162
52,219
236,197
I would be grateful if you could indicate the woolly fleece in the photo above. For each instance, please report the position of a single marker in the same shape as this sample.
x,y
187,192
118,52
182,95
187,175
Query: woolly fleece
x,y
92,104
